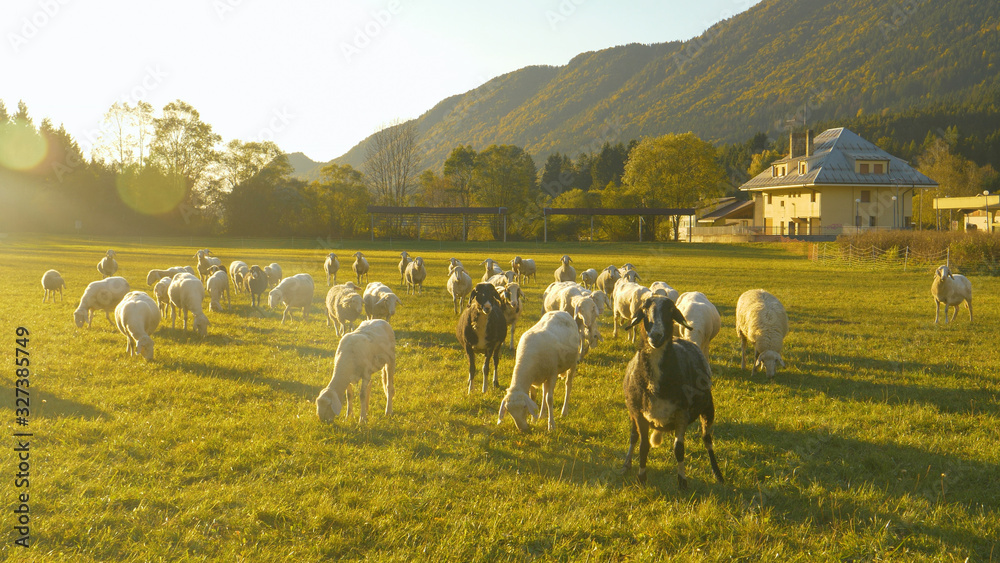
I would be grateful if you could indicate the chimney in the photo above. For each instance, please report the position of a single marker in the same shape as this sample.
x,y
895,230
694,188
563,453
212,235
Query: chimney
x,y
809,142
791,144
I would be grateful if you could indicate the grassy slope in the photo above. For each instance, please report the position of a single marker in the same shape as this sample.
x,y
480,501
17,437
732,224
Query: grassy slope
x,y
214,450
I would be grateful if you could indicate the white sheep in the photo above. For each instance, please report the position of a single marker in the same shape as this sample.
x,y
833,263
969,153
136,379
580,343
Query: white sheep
x,y
492,269
162,297
137,317
344,305
588,278
415,275
663,289
565,272
404,261
205,262
380,301
950,289
331,266
549,349
108,265
524,268
366,350
762,323
459,286
218,284
452,264
360,267
238,271
629,297
600,299
156,275
576,300
294,291
606,281
498,280
186,293
274,275
100,295
702,316
512,305
51,283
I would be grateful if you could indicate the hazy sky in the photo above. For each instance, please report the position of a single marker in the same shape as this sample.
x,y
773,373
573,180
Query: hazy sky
x,y
316,76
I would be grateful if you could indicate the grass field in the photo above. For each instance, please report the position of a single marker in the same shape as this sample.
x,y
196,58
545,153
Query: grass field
x,y
878,441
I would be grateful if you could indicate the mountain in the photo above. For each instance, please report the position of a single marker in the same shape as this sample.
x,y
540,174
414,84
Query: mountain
x,y
781,61
304,167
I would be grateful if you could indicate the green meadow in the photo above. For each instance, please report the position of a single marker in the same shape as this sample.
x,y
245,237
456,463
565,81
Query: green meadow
x,y
878,441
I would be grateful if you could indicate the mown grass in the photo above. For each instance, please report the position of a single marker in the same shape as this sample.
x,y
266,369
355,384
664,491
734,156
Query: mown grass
x,y
879,440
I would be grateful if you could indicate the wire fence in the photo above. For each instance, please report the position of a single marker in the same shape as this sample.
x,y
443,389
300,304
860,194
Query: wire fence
x,y
873,257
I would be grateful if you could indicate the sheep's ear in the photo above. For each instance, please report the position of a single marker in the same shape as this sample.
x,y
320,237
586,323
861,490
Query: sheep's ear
x,y
753,369
532,408
503,410
398,300
520,294
780,361
638,317
679,317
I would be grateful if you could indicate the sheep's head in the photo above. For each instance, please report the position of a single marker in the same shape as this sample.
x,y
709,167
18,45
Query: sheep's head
x,y
353,303
565,260
630,275
419,262
358,255
658,315
144,346
518,405
201,325
153,276
943,272
485,297
515,262
328,405
275,298
111,254
80,317
767,360
404,255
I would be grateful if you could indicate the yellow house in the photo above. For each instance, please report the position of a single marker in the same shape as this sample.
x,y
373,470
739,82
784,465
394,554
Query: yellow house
x,y
834,184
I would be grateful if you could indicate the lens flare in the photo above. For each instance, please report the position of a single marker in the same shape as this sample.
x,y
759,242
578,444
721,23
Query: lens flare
x,y
21,147
151,192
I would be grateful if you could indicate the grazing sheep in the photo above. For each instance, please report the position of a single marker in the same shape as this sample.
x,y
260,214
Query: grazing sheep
x,y
524,268
630,275
380,301
108,265
415,275
576,300
238,271
459,286
51,283
703,317
205,263
331,266
404,261
588,278
950,289
256,284
606,281
274,275
156,275
762,323
629,297
344,305
162,298
137,317
547,350
512,305
663,289
600,299
452,264
294,291
370,348
565,272
492,269
186,293
668,384
100,295
498,280
482,328
360,266
218,284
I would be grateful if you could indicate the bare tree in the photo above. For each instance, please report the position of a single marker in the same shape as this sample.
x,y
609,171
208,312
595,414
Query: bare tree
x,y
391,162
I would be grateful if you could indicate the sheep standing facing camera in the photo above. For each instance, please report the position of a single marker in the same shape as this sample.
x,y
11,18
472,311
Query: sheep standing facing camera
x,y
51,283
547,350
238,271
186,293
137,317
331,266
294,291
606,280
524,268
668,384
761,323
256,283
565,272
950,289
360,267
100,295
218,284
415,275
459,286
404,262
343,306
366,350
482,328
108,266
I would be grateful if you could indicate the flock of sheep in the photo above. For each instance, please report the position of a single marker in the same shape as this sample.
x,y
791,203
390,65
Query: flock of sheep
x,y
667,382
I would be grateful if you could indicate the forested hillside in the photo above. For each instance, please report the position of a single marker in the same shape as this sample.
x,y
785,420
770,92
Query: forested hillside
x,y
781,61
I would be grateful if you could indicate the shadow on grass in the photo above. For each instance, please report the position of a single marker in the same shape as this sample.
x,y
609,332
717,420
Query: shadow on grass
x,y
47,405
294,388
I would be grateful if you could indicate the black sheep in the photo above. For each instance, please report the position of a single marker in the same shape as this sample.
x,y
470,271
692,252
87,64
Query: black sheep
x,y
256,282
482,328
667,384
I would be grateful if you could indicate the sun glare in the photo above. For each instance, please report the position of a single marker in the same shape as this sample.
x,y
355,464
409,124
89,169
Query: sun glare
x,y
21,148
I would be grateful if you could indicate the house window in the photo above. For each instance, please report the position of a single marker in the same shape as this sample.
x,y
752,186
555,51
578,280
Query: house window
x,y
871,221
769,199
877,168
863,168
866,195
782,203
812,197
802,167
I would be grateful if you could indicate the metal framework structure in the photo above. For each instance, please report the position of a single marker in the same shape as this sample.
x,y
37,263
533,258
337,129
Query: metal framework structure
x,y
437,216
628,211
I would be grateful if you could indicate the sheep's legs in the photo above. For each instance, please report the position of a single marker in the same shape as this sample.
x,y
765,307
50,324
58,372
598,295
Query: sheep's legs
x,y
969,303
743,350
388,385
496,364
548,402
472,368
366,388
486,370
643,425
937,310
706,438
632,440
569,383
679,455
